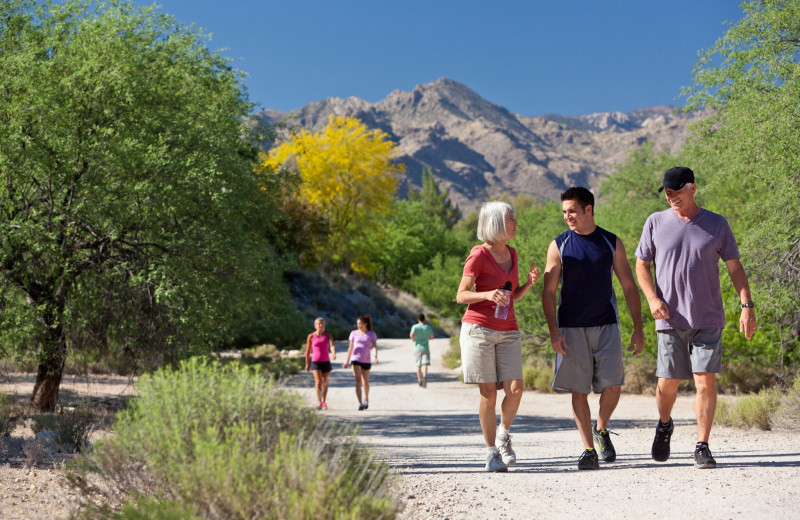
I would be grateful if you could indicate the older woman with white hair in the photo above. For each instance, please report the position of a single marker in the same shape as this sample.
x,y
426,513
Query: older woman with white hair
x,y
491,353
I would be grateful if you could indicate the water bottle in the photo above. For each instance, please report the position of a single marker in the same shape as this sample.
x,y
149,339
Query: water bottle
x,y
501,311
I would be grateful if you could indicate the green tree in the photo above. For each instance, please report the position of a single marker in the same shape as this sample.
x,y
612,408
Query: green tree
x,y
132,220
436,202
751,143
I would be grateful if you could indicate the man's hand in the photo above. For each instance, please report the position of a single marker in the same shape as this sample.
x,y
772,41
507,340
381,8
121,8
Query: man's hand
x,y
659,309
559,343
637,342
747,322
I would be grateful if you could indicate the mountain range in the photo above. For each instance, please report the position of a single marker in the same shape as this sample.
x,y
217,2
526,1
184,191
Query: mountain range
x,y
481,150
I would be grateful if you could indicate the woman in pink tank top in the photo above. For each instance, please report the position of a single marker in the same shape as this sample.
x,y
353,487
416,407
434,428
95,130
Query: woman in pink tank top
x,y
318,346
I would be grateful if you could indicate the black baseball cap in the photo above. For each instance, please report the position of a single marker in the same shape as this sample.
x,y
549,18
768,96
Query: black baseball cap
x,y
677,177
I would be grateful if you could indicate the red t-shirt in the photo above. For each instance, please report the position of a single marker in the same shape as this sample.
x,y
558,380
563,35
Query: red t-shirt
x,y
490,276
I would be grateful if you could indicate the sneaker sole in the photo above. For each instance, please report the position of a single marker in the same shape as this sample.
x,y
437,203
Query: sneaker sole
x,y
498,470
509,462
707,465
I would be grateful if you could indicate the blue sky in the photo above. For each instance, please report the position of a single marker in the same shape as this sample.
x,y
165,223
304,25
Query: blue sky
x,y
534,57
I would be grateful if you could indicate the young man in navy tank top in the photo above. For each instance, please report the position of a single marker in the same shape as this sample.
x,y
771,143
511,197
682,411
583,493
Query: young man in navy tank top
x,y
584,329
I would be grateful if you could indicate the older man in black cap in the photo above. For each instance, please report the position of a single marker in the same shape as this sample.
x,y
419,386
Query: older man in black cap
x,y
686,242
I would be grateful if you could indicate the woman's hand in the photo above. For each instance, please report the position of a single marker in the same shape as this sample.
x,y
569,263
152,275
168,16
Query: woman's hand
x,y
533,274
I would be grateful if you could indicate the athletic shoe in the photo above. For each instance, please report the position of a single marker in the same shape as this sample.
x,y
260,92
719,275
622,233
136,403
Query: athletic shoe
x,y
424,382
506,452
361,408
420,383
589,460
324,405
495,464
603,439
366,405
319,405
660,451
703,458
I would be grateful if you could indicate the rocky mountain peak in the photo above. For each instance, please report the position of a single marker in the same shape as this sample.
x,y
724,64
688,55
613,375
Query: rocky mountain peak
x,y
479,149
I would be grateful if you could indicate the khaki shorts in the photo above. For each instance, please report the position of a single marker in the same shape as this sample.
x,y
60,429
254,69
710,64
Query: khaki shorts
x,y
422,357
683,352
593,360
490,356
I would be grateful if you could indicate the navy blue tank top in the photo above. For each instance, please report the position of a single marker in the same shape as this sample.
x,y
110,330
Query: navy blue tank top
x,y
587,296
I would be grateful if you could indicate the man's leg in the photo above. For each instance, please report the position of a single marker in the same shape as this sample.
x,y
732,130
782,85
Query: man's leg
x,y
419,375
705,404
583,418
666,393
609,398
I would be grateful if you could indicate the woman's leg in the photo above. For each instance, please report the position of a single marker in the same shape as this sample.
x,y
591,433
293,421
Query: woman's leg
x,y
510,404
325,376
318,384
357,375
486,412
365,379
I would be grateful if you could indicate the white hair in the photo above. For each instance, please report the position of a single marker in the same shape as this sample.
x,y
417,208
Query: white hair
x,y
492,221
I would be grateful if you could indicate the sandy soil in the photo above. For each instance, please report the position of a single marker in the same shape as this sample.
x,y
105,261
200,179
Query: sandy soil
x,y
432,439
38,491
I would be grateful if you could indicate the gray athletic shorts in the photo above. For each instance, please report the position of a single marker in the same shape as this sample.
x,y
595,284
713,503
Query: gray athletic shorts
x,y
593,360
490,356
422,357
683,352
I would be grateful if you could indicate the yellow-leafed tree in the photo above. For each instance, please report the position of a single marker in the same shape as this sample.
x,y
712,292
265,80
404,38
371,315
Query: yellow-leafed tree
x,y
347,176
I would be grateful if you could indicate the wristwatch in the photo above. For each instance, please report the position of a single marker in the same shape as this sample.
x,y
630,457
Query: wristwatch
x,y
748,305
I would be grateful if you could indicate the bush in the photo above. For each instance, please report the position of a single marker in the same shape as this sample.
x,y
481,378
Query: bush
x,y
452,358
537,374
753,410
223,442
71,427
6,422
787,414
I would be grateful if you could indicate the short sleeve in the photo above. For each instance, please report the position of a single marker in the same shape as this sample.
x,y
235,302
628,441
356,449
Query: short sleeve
x,y
645,250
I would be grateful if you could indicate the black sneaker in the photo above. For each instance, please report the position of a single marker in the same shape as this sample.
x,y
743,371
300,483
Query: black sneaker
x,y
589,460
604,443
660,450
703,458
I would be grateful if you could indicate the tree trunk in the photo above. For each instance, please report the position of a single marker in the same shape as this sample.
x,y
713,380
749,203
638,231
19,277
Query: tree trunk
x,y
48,379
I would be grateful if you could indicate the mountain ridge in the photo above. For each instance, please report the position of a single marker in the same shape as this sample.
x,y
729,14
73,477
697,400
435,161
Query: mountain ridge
x,y
479,149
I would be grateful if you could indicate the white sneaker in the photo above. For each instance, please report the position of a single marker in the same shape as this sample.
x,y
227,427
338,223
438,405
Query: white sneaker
x,y
494,463
506,452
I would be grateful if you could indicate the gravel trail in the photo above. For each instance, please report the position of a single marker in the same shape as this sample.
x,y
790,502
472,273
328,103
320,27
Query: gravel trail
x,y
432,439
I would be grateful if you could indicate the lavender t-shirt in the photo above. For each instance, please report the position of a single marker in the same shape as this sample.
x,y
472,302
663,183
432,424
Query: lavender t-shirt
x,y
686,256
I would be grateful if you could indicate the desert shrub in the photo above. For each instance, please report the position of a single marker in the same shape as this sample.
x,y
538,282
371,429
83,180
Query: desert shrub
x,y
787,415
742,378
640,375
71,427
222,441
452,358
752,410
6,421
143,508
537,374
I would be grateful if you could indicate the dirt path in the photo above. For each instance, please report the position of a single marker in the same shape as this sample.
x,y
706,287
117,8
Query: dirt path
x,y
432,439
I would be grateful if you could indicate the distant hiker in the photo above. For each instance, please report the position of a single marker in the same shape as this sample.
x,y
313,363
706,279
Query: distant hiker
x,y
319,344
420,333
584,331
362,341
686,242
491,353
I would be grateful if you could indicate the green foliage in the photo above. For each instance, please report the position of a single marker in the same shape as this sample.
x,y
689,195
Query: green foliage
x,y
71,427
131,212
749,149
435,203
223,442
437,283
143,508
